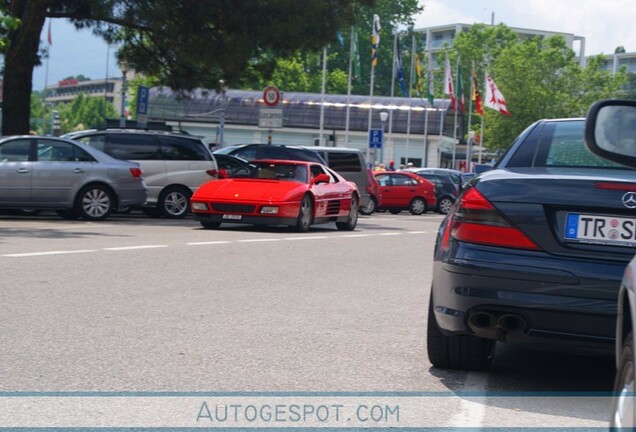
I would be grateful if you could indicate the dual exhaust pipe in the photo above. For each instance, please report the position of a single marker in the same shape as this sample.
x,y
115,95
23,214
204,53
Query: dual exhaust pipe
x,y
489,325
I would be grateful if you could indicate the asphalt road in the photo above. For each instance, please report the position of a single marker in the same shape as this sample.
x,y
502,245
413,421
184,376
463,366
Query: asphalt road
x,y
135,304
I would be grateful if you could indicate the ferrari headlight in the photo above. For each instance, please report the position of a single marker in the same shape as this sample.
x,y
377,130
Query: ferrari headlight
x,y
269,210
199,206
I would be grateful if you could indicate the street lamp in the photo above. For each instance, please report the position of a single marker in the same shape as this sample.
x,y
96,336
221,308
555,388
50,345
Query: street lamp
x,y
384,116
124,91
223,88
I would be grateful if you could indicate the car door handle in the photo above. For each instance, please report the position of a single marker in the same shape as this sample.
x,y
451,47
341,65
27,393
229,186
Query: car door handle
x,y
22,171
78,171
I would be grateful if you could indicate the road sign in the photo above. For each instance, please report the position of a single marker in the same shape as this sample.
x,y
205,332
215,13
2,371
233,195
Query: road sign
x,y
270,118
271,96
142,106
375,138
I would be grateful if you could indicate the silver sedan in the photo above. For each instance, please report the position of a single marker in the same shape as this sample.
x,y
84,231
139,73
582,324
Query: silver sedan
x,y
38,172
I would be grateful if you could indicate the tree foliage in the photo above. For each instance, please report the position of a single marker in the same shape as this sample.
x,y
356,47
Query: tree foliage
x,y
306,74
186,43
539,78
85,112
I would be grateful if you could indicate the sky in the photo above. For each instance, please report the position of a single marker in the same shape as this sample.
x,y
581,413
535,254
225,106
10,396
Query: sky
x,y
605,24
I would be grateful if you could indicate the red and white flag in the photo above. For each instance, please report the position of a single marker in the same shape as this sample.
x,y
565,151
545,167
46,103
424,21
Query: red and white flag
x,y
494,98
449,88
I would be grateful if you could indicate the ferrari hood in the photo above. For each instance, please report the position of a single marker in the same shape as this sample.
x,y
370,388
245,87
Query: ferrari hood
x,y
251,190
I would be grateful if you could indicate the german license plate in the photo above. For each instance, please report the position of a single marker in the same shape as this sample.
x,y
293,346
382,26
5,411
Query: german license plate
x,y
232,217
609,230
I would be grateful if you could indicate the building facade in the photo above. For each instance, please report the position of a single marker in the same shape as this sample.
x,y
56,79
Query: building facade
x,y
65,91
414,131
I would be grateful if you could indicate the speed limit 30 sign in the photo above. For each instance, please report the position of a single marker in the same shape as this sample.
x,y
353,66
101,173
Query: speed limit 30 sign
x,y
271,96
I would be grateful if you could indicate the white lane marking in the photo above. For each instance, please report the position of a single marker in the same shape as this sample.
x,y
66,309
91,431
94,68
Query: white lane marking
x,y
208,243
306,238
472,409
31,254
123,248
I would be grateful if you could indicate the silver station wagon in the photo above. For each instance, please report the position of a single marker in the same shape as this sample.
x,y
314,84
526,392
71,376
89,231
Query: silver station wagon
x,y
38,173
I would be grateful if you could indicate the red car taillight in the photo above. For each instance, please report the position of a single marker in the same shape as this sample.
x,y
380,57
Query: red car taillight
x,y
136,172
475,220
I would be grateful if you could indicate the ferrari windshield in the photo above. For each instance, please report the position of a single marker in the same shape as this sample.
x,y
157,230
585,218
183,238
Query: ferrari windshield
x,y
281,171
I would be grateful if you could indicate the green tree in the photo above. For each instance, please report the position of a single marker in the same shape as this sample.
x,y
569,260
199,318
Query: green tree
x,y
539,78
303,69
85,112
186,43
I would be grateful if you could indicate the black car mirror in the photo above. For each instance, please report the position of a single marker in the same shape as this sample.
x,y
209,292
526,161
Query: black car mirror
x,y
610,131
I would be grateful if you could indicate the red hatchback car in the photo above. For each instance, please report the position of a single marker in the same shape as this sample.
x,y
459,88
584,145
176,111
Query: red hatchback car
x,y
403,190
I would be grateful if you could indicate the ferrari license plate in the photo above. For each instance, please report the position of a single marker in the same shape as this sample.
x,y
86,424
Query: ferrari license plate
x,y
609,230
232,217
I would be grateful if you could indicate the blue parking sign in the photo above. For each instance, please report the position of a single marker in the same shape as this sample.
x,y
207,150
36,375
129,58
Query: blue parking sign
x,y
142,100
375,138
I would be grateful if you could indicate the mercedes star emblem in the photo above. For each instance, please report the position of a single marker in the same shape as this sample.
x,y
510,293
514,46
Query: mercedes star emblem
x,y
629,200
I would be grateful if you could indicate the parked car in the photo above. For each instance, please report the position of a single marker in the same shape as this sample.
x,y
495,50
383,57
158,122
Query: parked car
x,y
38,173
375,195
609,132
174,164
252,152
448,184
349,163
403,190
294,193
533,252
234,166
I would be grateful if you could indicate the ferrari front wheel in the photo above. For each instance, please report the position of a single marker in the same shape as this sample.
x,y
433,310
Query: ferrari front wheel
x,y
305,214
352,217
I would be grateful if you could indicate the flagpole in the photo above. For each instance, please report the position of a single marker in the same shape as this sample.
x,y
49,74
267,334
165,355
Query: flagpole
x,y
48,57
349,88
455,126
430,97
469,156
481,133
322,94
375,45
408,119
392,92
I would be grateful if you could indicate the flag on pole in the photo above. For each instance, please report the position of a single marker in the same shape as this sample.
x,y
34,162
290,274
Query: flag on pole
x,y
448,84
459,91
419,84
400,71
356,57
476,97
340,39
49,40
375,40
494,98
431,88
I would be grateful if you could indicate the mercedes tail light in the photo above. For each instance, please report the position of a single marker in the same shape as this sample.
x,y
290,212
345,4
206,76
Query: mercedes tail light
x,y
475,220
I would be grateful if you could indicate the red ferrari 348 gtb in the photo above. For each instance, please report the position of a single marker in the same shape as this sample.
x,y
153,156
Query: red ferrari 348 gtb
x,y
279,192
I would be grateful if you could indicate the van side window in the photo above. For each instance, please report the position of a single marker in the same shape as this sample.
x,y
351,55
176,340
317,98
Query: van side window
x,y
175,148
134,147
97,141
344,162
